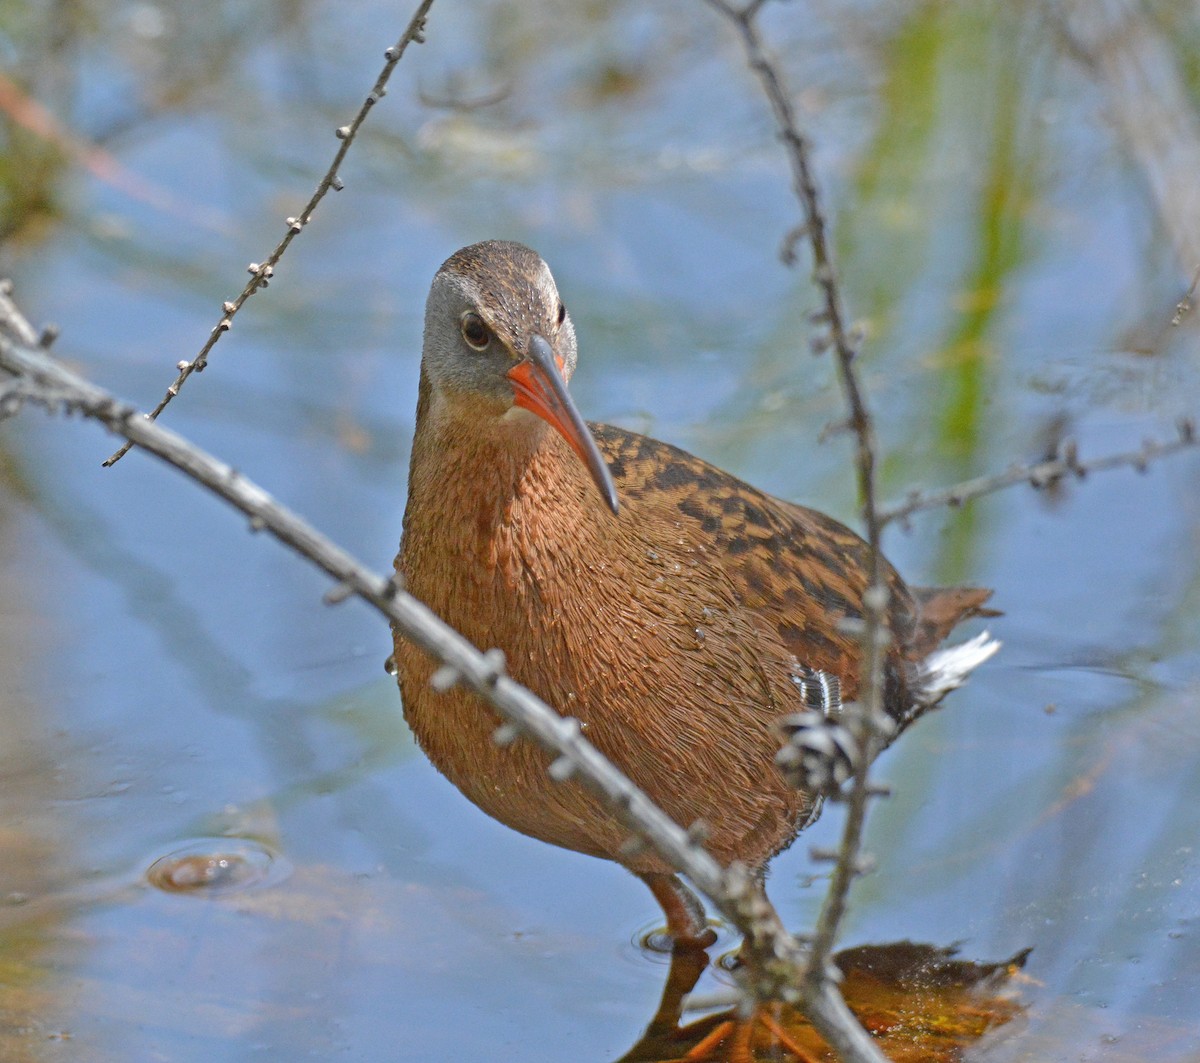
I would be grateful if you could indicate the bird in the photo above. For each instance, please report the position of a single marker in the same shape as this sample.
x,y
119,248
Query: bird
x,y
675,611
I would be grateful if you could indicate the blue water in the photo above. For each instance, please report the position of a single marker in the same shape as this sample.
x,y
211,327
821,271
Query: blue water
x,y
166,676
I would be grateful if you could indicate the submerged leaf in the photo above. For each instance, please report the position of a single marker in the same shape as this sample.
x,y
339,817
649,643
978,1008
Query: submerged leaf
x,y
921,1003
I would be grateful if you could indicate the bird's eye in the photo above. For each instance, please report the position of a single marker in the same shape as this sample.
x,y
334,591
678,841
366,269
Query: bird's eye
x,y
562,312
475,332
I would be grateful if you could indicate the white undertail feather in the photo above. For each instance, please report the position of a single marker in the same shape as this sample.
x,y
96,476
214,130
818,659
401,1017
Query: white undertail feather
x,y
948,668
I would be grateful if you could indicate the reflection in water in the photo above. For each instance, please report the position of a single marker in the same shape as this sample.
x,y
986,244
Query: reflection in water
x,y
922,1003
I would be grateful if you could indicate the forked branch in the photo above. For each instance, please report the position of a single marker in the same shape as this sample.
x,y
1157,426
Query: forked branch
x,y
1066,465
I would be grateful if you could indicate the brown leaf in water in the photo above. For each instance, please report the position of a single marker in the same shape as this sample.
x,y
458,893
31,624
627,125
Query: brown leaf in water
x,y
922,1003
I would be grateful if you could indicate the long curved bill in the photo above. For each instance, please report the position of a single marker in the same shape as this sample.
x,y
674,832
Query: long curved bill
x,y
539,387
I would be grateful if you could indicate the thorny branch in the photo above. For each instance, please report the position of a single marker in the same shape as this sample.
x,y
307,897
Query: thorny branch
x,y
261,272
832,317
875,634
1044,473
1184,306
732,890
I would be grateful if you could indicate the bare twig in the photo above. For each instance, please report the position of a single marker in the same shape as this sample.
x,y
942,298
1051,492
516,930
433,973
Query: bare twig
x,y
732,891
1044,473
261,272
1184,306
874,633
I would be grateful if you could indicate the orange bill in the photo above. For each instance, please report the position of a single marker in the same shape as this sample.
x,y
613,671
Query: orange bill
x,y
539,387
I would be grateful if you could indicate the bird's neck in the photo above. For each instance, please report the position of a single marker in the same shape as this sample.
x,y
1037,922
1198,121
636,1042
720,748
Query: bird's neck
x,y
491,500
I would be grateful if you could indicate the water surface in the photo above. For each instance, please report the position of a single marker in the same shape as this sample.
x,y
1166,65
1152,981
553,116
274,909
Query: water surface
x,y
171,686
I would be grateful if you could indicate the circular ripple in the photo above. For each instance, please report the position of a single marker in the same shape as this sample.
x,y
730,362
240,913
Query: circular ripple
x,y
654,942
730,962
217,865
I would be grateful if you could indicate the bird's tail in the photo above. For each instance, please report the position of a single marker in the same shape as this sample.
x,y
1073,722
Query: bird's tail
x,y
946,669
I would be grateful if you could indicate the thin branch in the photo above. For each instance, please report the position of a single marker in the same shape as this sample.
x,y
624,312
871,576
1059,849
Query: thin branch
x,y
874,632
261,272
1044,473
1184,306
732,891
14,321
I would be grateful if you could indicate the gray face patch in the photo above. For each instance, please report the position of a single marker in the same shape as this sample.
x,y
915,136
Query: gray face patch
x,y
512,290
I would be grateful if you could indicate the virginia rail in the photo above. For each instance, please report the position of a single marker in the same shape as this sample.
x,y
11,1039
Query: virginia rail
x,y
674,610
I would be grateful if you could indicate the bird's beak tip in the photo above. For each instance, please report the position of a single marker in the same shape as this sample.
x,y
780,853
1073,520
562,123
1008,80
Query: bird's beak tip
x,y
538,386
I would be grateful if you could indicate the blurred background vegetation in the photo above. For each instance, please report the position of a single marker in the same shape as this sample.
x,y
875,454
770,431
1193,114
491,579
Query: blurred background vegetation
x,y
1013,192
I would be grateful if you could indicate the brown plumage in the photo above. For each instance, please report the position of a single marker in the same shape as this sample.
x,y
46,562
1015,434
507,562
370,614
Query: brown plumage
x,y
677,631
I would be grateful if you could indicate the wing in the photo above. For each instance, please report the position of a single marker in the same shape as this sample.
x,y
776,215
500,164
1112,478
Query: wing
x,y
801,572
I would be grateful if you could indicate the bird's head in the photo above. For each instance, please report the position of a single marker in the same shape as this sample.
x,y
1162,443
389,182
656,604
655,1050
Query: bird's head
x,y
499,339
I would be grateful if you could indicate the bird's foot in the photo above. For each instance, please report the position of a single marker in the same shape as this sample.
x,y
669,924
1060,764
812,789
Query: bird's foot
x,y
745,1040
